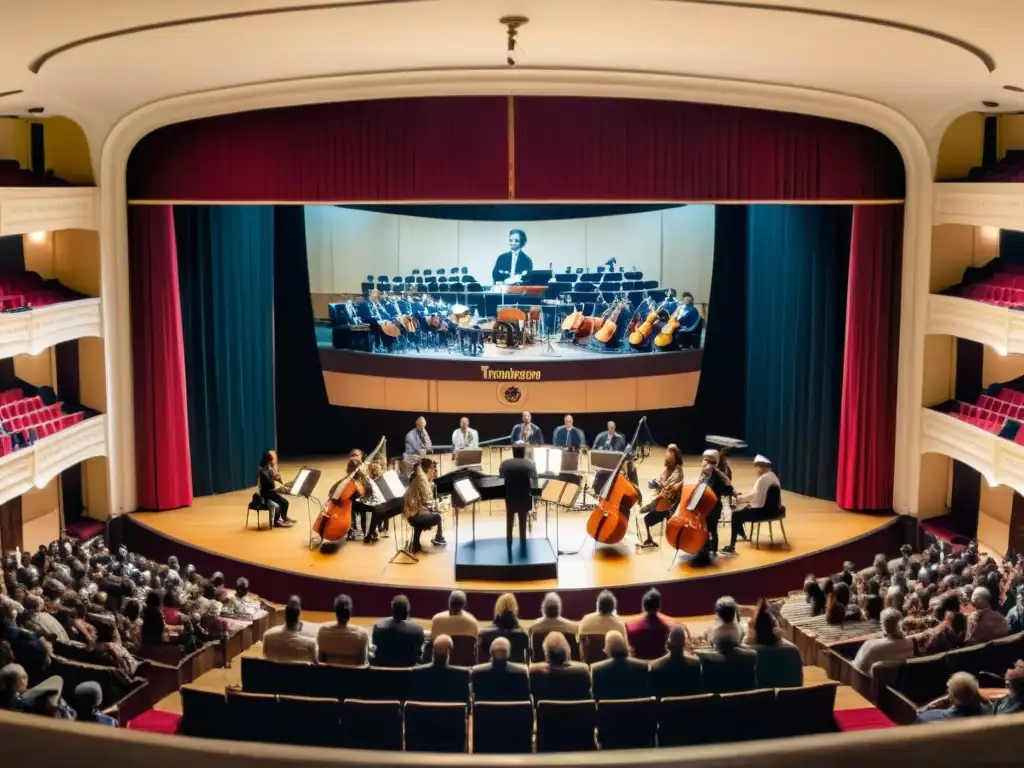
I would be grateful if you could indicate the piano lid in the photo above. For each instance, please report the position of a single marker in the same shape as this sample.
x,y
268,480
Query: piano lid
x,y
725,442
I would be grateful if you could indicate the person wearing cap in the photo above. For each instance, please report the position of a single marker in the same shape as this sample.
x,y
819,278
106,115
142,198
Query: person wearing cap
x,y
88,698
755,510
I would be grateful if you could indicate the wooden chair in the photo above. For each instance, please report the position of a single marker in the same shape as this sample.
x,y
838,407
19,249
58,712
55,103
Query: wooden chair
x,y
746,716
337,681
259,504
435,727
685,721
772,499
566,726
289,678
806,710
503,727
386,683
252,716
372,724
627,723
203,713
312,722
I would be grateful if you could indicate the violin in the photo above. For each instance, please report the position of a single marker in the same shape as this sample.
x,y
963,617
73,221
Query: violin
x,y
333,524
687,529
610,519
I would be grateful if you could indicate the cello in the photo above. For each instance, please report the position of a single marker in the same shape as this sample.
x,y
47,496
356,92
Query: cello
x,y
610,326
609,521
687,530
333,524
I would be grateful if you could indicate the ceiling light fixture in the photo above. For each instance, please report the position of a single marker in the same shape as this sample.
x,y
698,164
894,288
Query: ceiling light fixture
x,y
512,23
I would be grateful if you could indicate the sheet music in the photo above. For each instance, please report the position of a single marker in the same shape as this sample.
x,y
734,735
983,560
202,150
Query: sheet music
x,y
390,485
466,491
299,481
548,460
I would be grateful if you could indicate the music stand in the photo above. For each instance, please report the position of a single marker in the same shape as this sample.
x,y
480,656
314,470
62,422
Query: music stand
x,y
561,494
469,457
391,488
464,494
607,460
303,485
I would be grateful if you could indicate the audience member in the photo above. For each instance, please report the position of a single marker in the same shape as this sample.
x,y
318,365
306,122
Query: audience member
x,y
963,699
499,679
558,678
677,673
398,640
437,680
456,620
343,642
647,634
984,623
604,619
727,666
947,636
551,619
814,595
619,676
36,619
1013,702
42,699
506,624
726,628
892,646
1015,616
88,698
779,663
287,642
837,607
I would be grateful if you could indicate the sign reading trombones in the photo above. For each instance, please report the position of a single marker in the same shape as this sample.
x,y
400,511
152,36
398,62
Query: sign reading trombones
x,y
508,374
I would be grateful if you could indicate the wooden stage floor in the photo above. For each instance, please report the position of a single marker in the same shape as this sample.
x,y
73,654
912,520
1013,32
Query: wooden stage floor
x,y
216,524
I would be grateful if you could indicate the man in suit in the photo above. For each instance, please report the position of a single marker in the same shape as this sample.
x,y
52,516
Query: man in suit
x,y
728,667
568,437
438,681
513,263
519,473
527,432
399,641
619,676
610,440
499,679
677,673
417,443
557,678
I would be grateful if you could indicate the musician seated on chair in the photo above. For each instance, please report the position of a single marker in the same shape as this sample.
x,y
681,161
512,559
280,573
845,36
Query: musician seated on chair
x,y
610,440
417,444
668,485
465,436
527,432
755,509
268,478
569,437
420,506
690,324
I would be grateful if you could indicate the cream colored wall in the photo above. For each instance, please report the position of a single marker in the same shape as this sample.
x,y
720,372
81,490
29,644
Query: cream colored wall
x,y
1010,133
40,515
38,370
997,368
69,255
14,141
674,246
994,512
67,150
939,377
935,486
95,488
956,247
961,147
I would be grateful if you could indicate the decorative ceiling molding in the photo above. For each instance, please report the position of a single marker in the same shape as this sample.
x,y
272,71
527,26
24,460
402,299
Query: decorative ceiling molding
x,y
9,93
37,63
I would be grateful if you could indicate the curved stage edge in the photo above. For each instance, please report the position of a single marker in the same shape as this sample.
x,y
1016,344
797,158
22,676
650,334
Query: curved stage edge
x,y
690,596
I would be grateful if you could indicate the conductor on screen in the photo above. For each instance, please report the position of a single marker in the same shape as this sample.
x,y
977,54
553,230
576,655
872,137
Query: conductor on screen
x,y
512,264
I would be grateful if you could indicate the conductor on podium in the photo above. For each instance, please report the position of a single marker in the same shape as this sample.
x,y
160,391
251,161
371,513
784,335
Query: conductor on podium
x,y
519,473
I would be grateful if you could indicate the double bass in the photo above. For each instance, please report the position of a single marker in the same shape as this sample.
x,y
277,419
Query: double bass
x,y
333,524
687,530
609,521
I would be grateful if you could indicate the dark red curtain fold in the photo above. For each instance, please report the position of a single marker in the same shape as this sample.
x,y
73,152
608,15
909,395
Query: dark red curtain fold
x,y
632,149
399,149
868,416
162,457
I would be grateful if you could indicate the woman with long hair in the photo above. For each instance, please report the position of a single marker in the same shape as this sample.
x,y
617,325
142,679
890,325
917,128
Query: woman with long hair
x,y
268,478
506,624
420,506
668,486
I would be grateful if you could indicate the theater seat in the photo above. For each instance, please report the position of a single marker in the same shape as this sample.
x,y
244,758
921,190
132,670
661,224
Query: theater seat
x,y
503,727
566,726
372,724
435,727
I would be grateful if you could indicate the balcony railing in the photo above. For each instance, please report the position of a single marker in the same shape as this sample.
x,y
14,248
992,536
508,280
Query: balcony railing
x,y
980,205
34,330
32,209
1001,461
37,465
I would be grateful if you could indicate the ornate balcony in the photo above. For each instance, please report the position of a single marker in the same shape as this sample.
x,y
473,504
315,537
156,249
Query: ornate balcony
x,y
998,327
37,329
37,465
980,205
33,209
1000,461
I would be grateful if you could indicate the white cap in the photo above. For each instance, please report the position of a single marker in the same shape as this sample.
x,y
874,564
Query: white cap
x,y
762,459
711,453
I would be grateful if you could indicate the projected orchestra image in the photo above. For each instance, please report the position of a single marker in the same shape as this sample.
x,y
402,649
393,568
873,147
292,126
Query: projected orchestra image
x,y
609,310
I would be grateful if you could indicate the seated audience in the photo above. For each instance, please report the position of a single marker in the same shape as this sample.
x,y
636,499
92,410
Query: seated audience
x,y
499,679
42,699
964,699
619,676
343,642
726,628
814,595
399,640
984,623
727,667
557,678
288,642
1013,702
456,620
604,619
837,607
36,619
872,602
551,619
892,646
947,636
779,663
437,680
647,634
88,698
506,624
1015,616
677,673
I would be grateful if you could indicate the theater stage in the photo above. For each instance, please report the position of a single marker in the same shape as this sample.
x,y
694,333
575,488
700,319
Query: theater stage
x,y
211,534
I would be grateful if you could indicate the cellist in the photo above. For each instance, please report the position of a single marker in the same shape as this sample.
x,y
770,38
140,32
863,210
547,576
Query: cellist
x,y
668,486
719,483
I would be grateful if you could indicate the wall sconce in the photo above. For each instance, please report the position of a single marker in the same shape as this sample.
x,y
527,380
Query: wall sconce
x,y
37,237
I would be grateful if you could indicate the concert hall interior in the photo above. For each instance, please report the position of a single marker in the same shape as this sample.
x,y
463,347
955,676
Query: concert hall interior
x,y
381,297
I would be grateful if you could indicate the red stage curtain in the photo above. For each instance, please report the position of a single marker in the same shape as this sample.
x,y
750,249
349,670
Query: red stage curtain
x,y
631,149
868,418
158,361
400,149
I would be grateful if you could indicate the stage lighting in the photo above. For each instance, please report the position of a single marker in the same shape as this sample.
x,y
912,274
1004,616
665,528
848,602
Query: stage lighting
x,y
37,237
